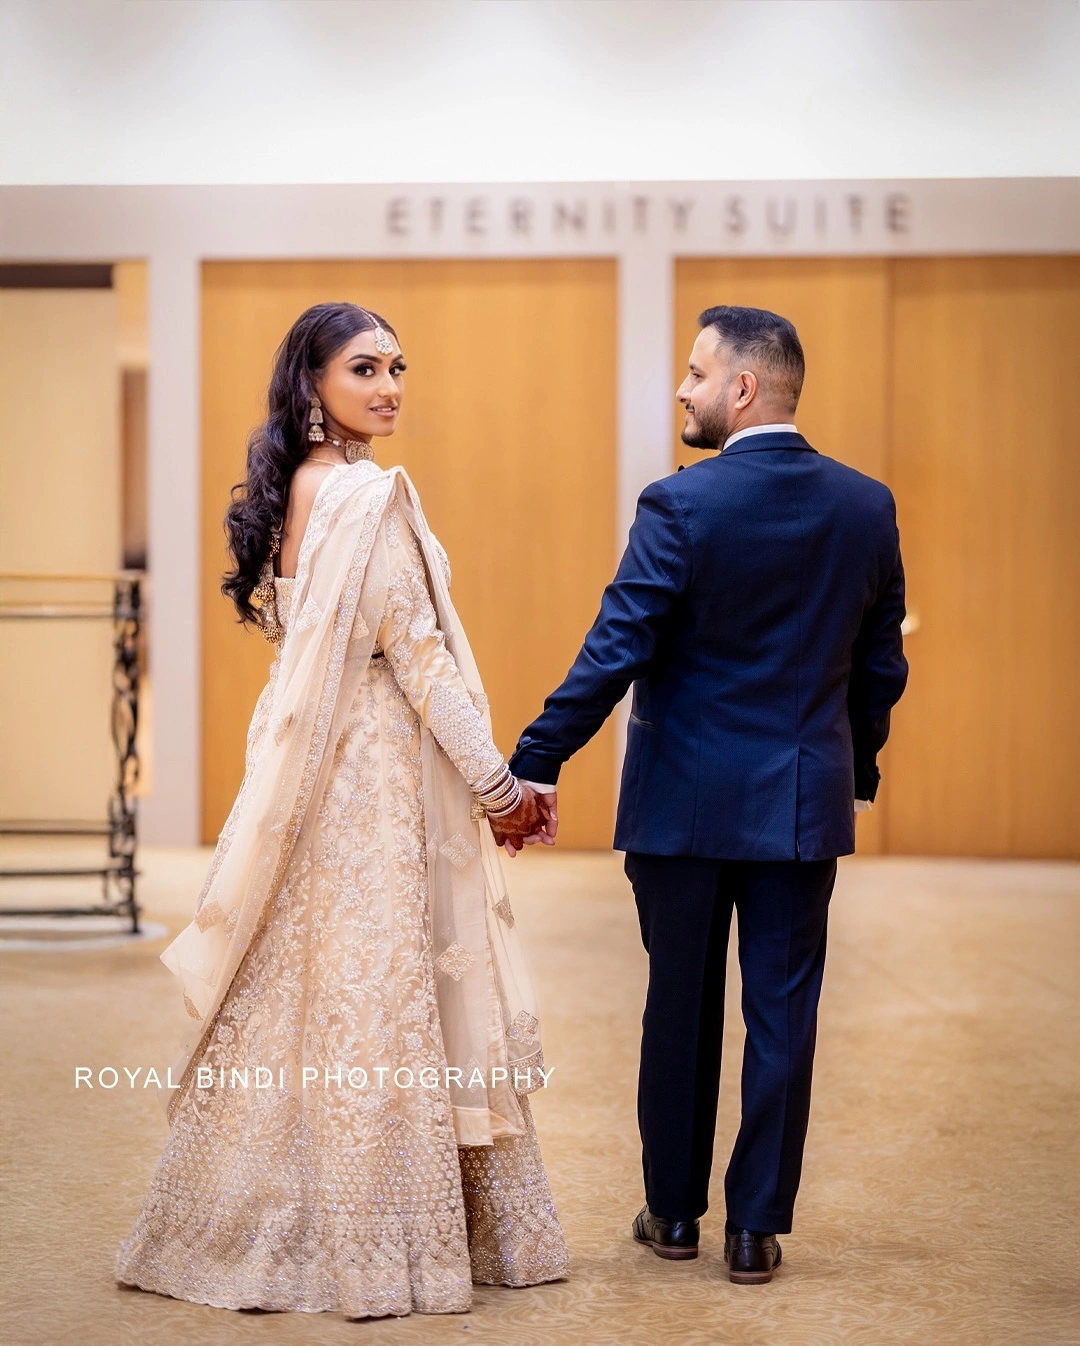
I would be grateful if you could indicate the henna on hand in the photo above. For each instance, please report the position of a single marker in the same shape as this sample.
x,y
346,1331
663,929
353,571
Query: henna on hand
x,y
529,819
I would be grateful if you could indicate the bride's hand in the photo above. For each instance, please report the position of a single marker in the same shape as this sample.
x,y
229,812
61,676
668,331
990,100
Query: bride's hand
x,y
533,820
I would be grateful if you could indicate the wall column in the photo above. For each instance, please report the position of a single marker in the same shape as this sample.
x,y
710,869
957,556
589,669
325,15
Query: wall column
x,y
169,815
645,393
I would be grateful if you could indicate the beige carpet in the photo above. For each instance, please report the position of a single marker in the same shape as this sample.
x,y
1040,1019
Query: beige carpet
x,y
939,1203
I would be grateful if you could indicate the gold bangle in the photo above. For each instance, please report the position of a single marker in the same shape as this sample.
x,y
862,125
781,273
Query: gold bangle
x,y
492,784
493,778
502,812
498,790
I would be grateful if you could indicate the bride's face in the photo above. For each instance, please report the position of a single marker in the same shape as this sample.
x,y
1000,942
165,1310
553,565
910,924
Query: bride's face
x,y
361,390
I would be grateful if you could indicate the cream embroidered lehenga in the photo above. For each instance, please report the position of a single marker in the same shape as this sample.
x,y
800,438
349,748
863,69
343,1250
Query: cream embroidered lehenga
x,y
354,918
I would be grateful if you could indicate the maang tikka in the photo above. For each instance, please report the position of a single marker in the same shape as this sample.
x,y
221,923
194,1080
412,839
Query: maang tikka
x,y
383,344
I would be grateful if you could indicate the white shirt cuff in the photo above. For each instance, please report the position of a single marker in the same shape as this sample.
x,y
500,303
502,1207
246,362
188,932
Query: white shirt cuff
x,y
540,789
863,806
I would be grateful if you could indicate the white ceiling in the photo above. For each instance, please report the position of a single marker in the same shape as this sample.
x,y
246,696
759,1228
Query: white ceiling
x,y
241,91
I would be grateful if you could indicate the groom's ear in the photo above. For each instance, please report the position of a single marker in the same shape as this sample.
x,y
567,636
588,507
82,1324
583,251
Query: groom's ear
x,y
748,386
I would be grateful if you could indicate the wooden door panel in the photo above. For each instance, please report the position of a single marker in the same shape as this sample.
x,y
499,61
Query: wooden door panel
x,y
508,431
986,470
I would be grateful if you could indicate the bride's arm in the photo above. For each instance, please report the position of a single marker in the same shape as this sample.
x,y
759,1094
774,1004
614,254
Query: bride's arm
x,y
423,666
425,670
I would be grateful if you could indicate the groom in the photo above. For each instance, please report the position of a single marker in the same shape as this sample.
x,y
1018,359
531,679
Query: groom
x,y
757,612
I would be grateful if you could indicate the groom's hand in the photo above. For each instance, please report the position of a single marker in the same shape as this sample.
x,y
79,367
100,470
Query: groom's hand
x,y
549,802
530,821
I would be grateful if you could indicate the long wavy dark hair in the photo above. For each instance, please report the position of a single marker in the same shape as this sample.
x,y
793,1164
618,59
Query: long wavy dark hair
x,y
276,447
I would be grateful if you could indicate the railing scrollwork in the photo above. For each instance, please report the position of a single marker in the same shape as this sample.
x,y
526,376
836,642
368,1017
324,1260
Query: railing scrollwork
x,y
118,876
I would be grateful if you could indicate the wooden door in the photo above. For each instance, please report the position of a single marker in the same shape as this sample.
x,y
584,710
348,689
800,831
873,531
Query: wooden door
x,y
985,464
950,379
508,431
840,307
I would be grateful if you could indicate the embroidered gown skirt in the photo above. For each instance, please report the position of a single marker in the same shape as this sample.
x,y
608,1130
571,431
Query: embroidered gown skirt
x,y
333,1196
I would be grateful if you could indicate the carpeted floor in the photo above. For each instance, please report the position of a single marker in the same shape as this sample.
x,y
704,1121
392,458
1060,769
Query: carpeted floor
x,y
940,1196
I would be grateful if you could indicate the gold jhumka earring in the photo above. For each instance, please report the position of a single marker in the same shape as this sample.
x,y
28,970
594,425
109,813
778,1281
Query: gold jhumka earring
x,y
315,422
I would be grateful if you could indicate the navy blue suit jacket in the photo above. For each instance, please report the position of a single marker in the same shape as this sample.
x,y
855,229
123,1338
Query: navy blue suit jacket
x,y
757,612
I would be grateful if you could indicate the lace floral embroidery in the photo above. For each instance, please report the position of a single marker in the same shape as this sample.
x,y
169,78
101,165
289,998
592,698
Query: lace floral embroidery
x,y
327,500
261,1201
458,851
309,615
411,639
524,1027
209,915
455,960
355,1201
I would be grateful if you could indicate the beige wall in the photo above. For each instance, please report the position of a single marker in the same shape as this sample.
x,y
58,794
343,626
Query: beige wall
x,y
59,512
177,227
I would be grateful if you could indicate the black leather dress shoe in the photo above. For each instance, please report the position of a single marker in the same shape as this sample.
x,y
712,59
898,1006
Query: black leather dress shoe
x,y
674,1239
751,1257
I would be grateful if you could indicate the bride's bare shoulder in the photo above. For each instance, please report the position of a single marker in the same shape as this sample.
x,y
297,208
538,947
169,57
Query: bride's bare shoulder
x,y
305,480
303,488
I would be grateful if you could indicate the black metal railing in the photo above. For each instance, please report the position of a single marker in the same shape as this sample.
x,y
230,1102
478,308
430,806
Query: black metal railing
x,y
118,876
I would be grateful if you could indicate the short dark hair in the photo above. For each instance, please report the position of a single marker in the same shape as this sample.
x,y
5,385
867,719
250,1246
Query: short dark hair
x,y
763,337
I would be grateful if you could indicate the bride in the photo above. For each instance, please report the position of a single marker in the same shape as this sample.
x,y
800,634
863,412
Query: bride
x,y
350,1128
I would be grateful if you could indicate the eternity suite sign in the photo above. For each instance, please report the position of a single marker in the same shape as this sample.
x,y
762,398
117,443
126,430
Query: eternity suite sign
x,y
709,219
919,217
744,218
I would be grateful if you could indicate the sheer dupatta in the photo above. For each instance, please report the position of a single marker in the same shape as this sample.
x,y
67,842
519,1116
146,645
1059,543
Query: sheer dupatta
x,y
486,1004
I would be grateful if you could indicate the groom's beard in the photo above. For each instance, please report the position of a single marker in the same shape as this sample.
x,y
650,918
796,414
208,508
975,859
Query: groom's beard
x,y
710,428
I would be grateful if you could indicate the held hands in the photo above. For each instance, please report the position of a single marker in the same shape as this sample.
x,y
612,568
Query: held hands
x,y
533,820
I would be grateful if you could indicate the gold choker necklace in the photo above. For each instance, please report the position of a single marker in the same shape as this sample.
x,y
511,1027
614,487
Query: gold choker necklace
x,y
354,449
